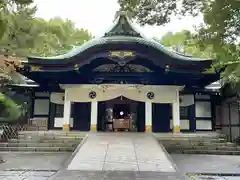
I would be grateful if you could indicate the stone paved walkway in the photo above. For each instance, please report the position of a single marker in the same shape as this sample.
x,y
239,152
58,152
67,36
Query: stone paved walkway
x,y
121,152
34,161
219,164
118,175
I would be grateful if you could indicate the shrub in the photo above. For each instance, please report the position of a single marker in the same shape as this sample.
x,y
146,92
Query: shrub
x,y
237,140
9,109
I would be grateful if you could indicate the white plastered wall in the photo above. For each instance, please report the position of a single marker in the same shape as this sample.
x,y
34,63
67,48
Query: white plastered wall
x,y
80,93
41,106
203,110
58,98
186,100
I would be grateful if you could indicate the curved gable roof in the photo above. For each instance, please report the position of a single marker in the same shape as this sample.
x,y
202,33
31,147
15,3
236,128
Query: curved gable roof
x,y
122,31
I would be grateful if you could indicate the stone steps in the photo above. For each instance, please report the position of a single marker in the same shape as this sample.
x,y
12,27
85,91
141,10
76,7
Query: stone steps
x,y
38,149
211,145
43,141
206,148
47,137
213,152
52,133
199,145
191,140
36,144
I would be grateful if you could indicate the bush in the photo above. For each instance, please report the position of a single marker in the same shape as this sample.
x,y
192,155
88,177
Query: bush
x,y
237,140
9,109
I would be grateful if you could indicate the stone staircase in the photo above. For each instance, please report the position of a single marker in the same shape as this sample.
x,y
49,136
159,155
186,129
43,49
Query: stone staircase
x,y
199,144
43,141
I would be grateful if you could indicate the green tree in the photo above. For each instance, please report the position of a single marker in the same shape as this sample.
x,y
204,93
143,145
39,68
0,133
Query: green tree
x,y
56,36
159,12
5,7
27,35
184,42
23,34
221,30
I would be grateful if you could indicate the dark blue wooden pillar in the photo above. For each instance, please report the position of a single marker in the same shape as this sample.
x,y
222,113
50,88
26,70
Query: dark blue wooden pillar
x,y
192,117
141,117
161,117
52,114
82,116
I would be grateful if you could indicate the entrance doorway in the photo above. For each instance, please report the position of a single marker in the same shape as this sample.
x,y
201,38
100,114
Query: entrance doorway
x,y
121,111
121,114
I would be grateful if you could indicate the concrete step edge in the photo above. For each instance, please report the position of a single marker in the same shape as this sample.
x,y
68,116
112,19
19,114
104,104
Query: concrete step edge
x,y
218,152
68,149
11,144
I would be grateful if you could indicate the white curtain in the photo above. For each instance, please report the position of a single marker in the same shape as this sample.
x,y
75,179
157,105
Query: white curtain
x,y
162,94
57,98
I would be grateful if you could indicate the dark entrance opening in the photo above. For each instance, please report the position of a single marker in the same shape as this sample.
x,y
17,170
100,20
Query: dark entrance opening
x,y
121,114
161,117
120,111
82,115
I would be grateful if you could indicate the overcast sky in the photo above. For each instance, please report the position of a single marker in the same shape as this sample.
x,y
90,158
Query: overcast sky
x,y
97,16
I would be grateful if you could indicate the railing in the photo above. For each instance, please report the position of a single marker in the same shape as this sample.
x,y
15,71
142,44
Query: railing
x,y
11,131
8,131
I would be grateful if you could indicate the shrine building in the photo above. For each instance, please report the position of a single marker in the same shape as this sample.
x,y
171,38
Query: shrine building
x,y
123,81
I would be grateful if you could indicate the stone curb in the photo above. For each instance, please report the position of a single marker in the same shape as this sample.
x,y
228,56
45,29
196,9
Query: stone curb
x,y
167,154
67,162
214,174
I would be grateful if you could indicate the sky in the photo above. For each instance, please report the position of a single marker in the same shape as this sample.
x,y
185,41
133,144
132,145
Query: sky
x,y
98,15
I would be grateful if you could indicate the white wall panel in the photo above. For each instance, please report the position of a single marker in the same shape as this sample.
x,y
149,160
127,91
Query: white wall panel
x,y
58,122
41,106
203,125
186,100
200,96
57,98
203,109
184,124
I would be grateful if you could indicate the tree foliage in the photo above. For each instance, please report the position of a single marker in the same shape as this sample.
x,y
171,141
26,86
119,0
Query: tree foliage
x,y
185,43
8,63
7,6
56,36
23,34
159,12
27,35
221,30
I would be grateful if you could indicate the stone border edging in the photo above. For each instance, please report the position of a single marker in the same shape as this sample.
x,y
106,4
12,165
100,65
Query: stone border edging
x,y
214,174
67,162
167,154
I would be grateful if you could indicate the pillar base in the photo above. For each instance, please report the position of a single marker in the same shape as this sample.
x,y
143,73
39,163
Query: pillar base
x,y
148,128
176,129
93,128
66,127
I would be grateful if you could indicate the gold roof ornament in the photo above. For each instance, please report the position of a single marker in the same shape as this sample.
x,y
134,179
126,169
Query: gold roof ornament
x,y
35,68
121,54
76,67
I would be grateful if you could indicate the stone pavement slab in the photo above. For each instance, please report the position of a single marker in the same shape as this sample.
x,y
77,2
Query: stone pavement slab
x,y
207,163
33,161
118,175
215,178
122,152
231,178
